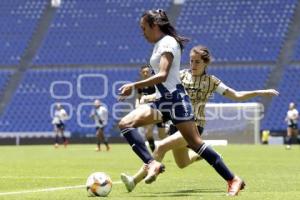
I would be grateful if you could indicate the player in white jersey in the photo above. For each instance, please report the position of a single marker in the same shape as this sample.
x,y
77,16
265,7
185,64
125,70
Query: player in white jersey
x,y
292,118
172,102
100,116
200,86
59,118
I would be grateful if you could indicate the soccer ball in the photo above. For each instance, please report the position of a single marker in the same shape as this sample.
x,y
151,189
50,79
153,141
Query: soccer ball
x,y
98,184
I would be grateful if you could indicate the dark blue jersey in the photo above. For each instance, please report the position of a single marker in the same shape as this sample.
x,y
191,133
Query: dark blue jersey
x,y
146,90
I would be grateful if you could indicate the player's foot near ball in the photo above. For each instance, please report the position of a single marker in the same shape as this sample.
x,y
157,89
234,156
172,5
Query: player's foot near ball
x,y
97,149
107,148
128,182
235,186
154,168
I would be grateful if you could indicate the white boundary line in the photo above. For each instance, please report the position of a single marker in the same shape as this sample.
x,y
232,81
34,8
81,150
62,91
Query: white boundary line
x,y
48,189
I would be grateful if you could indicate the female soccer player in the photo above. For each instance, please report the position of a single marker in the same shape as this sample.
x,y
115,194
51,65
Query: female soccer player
x,y
59,118
142,98
172,102
100,116
200,87
292,117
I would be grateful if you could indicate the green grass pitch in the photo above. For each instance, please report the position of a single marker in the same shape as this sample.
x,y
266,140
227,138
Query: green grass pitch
x,y
270,172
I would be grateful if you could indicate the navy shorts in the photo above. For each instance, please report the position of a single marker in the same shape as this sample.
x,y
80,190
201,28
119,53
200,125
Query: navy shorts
x,y
293,126
173,129
60,126
161,125
175,106
101,128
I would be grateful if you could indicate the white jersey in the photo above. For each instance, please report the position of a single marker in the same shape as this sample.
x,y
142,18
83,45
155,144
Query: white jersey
x,y
170,45
292,116
59,116
100,116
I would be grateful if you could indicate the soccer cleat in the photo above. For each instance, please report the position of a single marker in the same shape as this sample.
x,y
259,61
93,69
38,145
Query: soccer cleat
x,y
98,149
235,185
128,181
154,169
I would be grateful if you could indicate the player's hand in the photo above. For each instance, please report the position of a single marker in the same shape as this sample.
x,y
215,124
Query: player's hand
x,y
125,91
270,92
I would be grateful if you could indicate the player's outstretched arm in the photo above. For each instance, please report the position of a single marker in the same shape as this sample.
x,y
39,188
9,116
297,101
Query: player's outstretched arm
x,y
245,95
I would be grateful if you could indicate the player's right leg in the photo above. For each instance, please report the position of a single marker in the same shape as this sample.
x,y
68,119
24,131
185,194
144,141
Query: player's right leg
x,y
141,116
149,136
98,137
191,135
163,146
289,138
132,181
56,141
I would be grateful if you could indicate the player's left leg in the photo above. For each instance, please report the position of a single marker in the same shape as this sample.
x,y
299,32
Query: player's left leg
x,y
141,116
149,136
65,141
103,138
289,137
191,134
161,128
56,142
98,137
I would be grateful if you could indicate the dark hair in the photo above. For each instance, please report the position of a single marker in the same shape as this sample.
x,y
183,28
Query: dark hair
x,y
145,66
203,52
160,18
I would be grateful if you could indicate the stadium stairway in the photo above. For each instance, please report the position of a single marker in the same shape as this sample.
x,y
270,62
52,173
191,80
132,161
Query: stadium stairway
x,y
34,43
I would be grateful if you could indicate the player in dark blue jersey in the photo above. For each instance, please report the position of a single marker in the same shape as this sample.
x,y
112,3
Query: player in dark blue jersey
x,y
142,98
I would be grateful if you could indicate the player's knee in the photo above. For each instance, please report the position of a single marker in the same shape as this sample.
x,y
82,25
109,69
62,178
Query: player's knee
x,y
127,124
122,124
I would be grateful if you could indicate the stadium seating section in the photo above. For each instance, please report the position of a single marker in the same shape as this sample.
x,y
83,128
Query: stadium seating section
x,y
289,92
75,89
296,55
237,30
4,77
18,20
97,32
106,33
241,78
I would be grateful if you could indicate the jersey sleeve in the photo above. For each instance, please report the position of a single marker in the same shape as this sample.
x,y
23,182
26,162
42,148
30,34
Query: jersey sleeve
x,y
169,45
219,86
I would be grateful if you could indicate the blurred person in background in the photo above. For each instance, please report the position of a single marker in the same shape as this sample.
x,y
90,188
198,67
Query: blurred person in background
x,y
292,117
59,118
100,116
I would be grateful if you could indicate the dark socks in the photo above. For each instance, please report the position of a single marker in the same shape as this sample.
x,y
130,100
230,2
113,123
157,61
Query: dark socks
x,y
215,160
288,140
56,139
64,139
137,144
151,144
